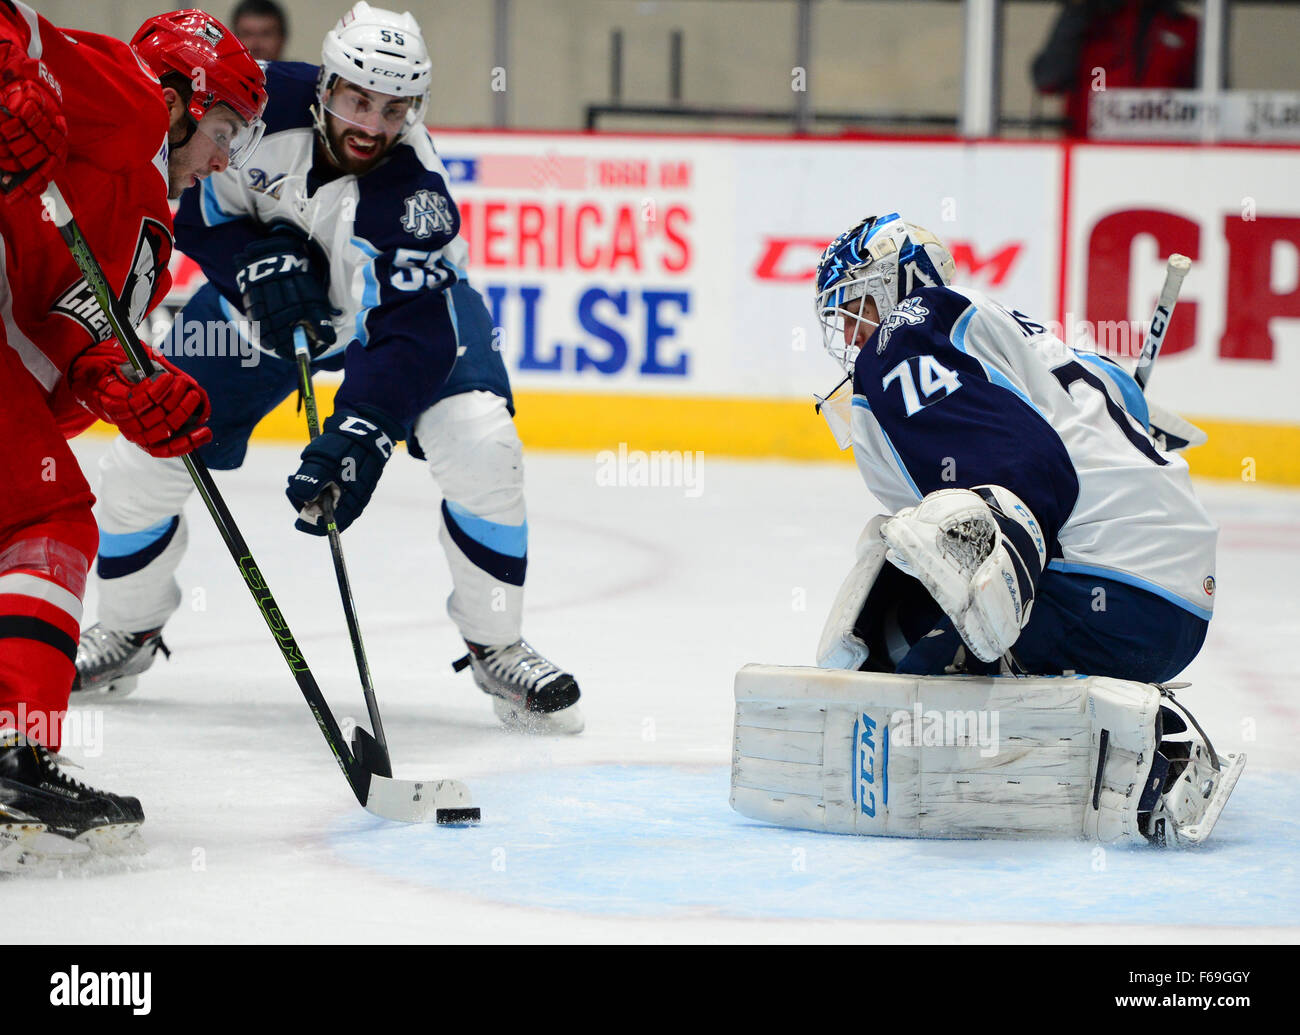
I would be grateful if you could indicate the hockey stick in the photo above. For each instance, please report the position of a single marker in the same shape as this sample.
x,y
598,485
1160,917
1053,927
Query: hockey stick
x,y
1167,429
1175,271
380,742
442,801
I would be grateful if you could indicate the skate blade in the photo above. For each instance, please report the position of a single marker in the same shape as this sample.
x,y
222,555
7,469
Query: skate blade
x,y
114,839
29,847
566,721
1197,832
119,687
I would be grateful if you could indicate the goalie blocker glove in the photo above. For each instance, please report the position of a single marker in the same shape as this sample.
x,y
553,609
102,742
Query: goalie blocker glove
x,y
979,553
281,280
164,414
346,459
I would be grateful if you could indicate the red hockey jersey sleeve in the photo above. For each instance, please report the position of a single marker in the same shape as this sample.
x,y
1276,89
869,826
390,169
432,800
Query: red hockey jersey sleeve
x,y
115,181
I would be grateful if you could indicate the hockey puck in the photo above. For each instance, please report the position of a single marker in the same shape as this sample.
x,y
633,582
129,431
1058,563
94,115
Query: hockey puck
x,y
458,817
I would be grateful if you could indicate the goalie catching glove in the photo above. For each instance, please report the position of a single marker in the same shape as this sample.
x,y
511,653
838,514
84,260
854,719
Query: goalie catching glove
x,y
979,553
164,414
346,460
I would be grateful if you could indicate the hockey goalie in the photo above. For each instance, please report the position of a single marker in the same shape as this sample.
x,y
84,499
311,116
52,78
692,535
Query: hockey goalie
x,y
996,662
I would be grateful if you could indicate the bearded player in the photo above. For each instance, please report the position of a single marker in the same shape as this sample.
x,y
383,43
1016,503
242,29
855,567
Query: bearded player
x,y
123,129
345,226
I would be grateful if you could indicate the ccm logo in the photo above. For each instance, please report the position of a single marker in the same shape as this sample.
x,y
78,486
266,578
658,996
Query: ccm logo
x,y
864,764
793,260
271,266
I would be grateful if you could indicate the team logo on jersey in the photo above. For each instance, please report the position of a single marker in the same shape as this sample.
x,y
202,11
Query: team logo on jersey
x,y
427,212
262,182
910,311
1208,585
152,250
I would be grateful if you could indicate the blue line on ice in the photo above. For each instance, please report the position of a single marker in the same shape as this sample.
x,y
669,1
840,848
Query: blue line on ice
x,y
659,840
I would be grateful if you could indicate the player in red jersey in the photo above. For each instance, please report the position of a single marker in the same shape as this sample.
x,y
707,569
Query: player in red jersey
x,y
122,128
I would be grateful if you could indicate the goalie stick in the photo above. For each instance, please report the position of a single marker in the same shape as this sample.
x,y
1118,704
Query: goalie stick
x,y
408,801
1175,271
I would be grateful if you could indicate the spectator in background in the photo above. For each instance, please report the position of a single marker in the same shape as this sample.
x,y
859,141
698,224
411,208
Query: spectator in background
x,y
262,27
1104,44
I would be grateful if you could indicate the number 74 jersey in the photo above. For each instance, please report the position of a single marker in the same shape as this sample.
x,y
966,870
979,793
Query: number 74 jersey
x,y
954,390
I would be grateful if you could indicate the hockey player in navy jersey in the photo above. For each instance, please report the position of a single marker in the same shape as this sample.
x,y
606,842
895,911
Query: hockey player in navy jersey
x,y
1035,529
1034,525
343,224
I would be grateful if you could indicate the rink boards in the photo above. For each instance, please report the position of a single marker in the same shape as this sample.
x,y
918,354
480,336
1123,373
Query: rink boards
x,y
654,292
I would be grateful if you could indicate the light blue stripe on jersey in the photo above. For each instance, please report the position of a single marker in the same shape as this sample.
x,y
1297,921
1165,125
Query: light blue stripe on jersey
x,y
958,334
213,213
1134,401
511,540
1074,568
859,400
234,316
455,327
370,292
994,375
123,544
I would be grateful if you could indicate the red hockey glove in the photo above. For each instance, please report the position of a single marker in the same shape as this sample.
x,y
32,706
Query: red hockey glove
x,y
33,131
162,414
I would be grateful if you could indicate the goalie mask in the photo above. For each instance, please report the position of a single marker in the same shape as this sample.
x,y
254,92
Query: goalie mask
x,y
884,258
379,51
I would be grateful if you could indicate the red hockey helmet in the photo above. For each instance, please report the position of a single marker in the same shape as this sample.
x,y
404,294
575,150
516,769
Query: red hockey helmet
x,y
197,46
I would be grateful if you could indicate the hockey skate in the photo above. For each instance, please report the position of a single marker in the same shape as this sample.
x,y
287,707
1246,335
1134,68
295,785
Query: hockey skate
x,y
529,694
110,661
46,817
1189,782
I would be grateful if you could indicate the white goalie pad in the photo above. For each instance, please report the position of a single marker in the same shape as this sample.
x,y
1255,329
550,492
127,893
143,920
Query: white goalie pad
x,y
950,756
840,646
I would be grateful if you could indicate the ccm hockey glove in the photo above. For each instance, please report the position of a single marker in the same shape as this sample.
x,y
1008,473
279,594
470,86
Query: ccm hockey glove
x,y
346,460
282,288
33,131
163,414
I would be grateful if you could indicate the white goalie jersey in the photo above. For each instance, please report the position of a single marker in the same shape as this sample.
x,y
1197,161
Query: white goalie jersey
x,y
955,390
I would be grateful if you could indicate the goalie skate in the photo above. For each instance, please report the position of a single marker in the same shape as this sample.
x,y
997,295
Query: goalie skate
x,y
1196,780
110,661
529,694
48,817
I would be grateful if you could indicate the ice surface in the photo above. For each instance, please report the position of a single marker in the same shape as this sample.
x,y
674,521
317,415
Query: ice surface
x,y
653,597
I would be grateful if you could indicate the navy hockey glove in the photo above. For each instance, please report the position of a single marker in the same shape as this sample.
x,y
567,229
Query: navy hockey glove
x,y
346,459
282,283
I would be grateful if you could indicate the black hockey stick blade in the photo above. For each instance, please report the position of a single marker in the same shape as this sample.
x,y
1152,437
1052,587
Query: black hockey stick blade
x,y
370,753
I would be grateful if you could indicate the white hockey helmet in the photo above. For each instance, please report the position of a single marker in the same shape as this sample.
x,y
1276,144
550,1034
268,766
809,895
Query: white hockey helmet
x,y
883,257
377,50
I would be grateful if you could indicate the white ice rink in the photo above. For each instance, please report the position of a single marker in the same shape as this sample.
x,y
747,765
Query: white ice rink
x,y
653,599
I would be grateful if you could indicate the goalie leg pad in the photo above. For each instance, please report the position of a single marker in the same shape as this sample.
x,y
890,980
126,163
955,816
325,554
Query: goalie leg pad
x,y
841,646
951,757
